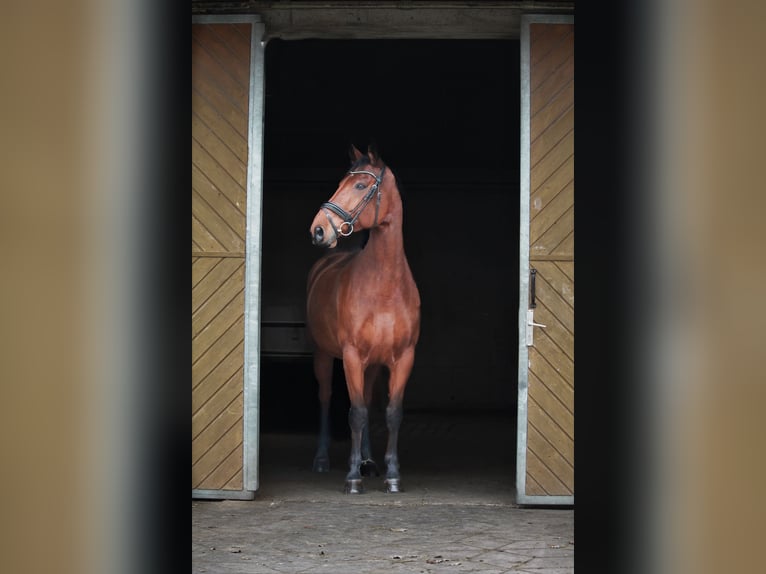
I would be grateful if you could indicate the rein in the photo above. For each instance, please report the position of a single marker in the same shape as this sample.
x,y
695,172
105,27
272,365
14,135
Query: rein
x,y
349,219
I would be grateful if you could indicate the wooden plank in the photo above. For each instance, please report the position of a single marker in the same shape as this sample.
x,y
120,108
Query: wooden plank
x,y
201,266
553,210
533,488
206,460
547,480
217,42
567,268
556,234
231,290
217,123
217,174
239,40
563,365
541,372
206,69
544,191
543,38
223,476
210,283
552,460
202,239
555,56
210,333
559,426
533,258
235,482
225,373
552,84
556,328
552,134
560,282
218,427
218,202
566,247
219,350
226,186
552,110
219,254
216,225
234,165
552,161
205,412
541,430
235,117
554,301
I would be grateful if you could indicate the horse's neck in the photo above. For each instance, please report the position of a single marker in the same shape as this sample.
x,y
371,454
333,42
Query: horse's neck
x,y
385,247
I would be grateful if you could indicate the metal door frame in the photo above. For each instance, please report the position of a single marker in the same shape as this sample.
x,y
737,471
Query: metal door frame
x,y
251,434
251,383
524,189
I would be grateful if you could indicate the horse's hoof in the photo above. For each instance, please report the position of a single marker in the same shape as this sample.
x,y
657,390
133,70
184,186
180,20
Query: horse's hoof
x,y
393,485
354,486
321,465
368,467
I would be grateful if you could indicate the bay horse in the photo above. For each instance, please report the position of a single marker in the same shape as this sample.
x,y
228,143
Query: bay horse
x,y
363,307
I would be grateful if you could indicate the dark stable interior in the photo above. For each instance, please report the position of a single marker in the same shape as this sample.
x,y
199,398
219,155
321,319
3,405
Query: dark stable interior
x,y
444,116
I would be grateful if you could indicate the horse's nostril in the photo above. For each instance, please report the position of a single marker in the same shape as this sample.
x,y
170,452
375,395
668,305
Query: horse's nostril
x,y
318,233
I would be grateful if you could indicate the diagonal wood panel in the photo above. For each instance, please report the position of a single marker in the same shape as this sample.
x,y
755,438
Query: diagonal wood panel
x,y
219,376
212,332
220,76
209,138
220,90
550,405
231,291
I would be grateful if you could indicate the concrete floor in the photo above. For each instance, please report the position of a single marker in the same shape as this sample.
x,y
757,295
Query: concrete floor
x,y
456,514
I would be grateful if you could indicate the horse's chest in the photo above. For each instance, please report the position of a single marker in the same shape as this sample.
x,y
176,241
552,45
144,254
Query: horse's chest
x,y
381,327
381,332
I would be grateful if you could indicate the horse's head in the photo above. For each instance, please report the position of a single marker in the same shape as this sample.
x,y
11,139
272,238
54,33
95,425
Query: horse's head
x,y
357,204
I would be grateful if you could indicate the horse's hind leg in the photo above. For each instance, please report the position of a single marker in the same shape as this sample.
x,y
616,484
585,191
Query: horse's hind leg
x,y
400,373
323,373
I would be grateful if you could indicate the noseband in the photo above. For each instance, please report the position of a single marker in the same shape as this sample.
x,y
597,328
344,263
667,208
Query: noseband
x,y
347,227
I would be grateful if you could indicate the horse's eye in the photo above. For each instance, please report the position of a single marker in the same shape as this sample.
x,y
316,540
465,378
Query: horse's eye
x,y
360,186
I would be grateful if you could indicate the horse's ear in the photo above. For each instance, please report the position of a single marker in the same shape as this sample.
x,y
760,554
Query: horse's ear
x,y
372,153
354,153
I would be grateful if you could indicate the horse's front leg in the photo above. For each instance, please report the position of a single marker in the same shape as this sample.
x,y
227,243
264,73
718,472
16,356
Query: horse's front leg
x,y
369,467
357,418
400,373
323,364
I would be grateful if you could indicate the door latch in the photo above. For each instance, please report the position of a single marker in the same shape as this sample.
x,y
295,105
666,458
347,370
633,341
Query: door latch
x,y
531,326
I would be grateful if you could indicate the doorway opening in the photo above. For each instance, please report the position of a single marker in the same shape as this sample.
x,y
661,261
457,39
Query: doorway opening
x,y
444,115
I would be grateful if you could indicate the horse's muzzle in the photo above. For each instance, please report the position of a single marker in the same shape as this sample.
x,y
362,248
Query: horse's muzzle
x,y
321,238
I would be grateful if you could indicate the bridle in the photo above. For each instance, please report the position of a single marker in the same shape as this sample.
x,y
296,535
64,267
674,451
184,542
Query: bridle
x,y
349,218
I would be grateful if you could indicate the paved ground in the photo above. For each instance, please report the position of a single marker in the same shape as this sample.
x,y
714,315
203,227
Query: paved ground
x,y
457,513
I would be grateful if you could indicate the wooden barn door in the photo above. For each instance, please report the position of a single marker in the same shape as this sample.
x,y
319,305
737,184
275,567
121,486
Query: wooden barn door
x,y
226,127
545,453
